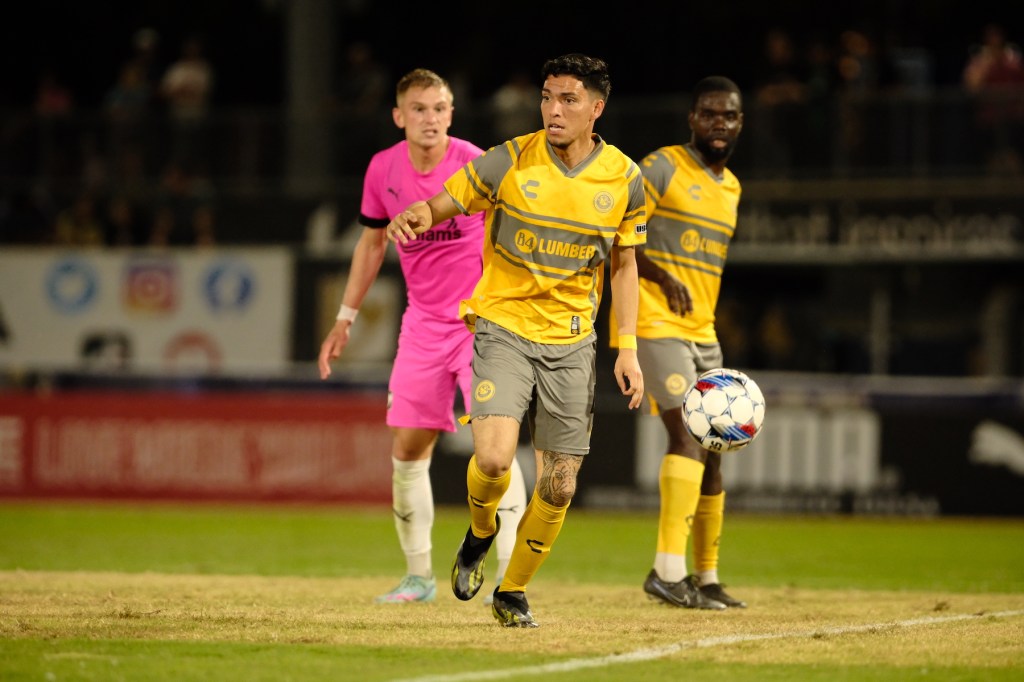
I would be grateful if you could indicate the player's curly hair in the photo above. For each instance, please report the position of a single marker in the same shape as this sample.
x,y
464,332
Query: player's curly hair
x,y
591,70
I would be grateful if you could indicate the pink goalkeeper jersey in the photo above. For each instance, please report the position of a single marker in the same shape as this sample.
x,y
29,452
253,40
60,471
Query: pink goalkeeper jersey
x,y
443,265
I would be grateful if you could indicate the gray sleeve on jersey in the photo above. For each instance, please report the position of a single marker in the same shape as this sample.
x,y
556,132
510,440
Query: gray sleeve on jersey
x,y
658,170
490,168
637,199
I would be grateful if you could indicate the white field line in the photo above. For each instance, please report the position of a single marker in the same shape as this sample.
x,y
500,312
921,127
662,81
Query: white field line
x,y
669,649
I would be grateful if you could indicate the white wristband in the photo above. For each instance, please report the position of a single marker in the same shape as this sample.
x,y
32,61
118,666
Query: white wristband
x,y
346,313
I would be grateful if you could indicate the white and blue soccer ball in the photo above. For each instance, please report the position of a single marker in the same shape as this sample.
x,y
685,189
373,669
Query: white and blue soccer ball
x,y
724,410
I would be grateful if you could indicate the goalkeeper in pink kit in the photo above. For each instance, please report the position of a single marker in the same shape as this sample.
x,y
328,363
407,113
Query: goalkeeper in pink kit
x,y
435,349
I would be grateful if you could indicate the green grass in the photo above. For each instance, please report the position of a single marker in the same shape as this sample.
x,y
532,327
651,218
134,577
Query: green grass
x,y
120,591
962,555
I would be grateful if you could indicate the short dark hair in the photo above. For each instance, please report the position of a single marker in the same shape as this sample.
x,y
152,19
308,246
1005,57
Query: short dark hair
x,y
591,70
714,84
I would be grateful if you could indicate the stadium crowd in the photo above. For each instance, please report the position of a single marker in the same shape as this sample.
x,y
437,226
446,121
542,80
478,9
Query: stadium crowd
x,y
138,163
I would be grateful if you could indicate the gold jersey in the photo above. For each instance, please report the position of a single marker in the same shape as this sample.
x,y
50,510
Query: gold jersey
x,y
548,232
691,219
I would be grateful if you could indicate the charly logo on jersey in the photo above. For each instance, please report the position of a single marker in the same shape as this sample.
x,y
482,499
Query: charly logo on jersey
x,y
526,186
485,391
675,384
604,201
528,242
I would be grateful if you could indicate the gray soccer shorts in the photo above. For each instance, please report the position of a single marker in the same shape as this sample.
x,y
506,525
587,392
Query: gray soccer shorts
x,y
553,384
671,365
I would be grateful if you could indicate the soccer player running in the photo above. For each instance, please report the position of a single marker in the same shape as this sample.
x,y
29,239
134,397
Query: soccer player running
x,y
559,203
435,349
692,200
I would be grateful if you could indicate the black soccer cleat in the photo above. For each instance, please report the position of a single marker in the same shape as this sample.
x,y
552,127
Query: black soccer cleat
x,y
717,593
512,610
468,568
685,593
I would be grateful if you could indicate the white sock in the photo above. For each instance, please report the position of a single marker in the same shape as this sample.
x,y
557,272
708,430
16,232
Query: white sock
x,y
412,499
510,509
708,577
670,567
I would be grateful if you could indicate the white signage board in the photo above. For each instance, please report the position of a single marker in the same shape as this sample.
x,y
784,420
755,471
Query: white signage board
x,y
220,311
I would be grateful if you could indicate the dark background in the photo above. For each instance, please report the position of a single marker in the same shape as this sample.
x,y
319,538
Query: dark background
x,y
652,48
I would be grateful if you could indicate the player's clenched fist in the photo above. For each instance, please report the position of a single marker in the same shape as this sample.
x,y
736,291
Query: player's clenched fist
x,y
409,223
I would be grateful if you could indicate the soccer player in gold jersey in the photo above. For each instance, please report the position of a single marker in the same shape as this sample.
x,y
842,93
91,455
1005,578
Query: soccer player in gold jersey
x,y
558,203
692,200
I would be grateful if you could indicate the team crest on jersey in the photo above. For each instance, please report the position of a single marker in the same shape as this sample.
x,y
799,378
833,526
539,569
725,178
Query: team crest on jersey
x,y
603,201
485,391
675,384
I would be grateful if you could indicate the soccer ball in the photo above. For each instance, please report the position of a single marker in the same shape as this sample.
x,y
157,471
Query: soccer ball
x,y
724,410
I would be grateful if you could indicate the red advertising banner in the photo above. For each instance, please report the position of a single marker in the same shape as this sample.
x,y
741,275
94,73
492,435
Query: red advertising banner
x,y
216,446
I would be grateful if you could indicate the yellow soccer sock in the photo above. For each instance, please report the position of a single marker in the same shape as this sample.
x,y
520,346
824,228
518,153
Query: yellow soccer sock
x,y
679,484
485,493
511,510
707,532
537,533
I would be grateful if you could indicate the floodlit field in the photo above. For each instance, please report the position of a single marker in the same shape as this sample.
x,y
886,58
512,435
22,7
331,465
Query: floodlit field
x,y
202,592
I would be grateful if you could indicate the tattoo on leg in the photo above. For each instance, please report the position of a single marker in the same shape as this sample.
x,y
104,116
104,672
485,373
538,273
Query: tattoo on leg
x,y
557,483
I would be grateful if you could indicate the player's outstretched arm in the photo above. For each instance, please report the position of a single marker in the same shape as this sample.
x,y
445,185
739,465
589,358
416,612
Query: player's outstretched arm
x,y
420,217
625,293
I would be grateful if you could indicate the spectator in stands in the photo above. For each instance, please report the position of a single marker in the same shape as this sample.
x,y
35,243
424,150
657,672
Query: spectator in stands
x,y
857,69
183,214
145,52
128,177
123,222
187,87
54,105
994,73
127,107
779,93
79,224
820,79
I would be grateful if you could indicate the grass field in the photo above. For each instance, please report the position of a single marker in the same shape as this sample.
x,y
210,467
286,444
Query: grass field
x,y
204,592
